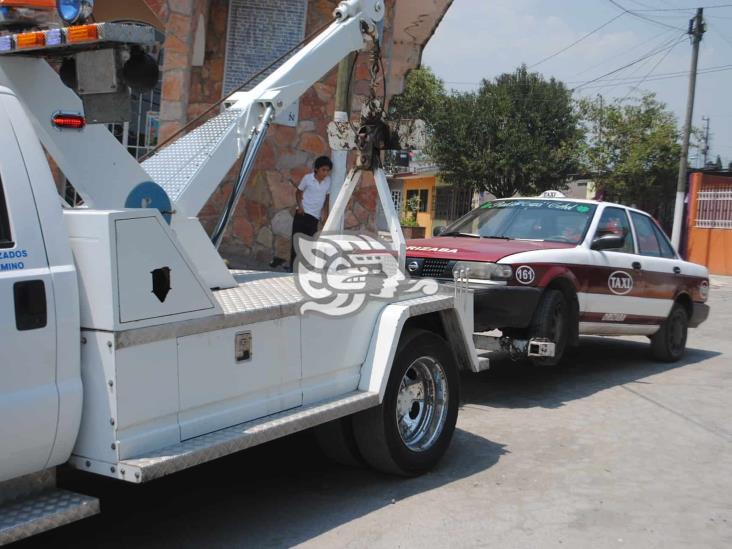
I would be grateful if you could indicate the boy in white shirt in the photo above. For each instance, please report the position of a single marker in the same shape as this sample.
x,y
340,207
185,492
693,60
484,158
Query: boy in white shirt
x,y
312,196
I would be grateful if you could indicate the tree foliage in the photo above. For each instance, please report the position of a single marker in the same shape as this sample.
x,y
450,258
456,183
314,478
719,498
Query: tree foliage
x,y
632,150
422,98
516,134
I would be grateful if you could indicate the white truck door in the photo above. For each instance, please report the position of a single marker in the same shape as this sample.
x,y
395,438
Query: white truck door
x,y
28,392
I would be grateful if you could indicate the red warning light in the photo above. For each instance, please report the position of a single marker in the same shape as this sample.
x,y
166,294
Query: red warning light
x,y
69,121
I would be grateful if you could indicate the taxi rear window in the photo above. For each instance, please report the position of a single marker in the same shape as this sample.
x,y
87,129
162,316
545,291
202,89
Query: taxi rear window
x,y
6,240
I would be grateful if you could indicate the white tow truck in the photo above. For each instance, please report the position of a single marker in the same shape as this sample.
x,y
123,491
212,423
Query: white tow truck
x,y
127,348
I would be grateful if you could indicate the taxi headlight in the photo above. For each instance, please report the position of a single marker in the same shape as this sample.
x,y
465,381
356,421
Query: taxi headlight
x,y
482,271
72,11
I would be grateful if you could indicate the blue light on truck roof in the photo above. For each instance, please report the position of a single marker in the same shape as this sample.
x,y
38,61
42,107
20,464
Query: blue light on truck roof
x,y
6,43
54,37
72,11
69,10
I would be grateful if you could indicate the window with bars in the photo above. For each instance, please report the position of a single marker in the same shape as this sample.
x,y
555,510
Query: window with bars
x,y
715,207
396,197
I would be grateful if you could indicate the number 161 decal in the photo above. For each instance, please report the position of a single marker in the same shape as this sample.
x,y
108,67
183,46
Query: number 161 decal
x,y
525,275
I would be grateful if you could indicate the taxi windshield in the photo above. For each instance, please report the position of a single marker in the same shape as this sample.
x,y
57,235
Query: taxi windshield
x,y
516,219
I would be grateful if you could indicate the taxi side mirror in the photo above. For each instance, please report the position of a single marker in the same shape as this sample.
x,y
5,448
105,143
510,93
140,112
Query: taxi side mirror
x,y
608,242
438,231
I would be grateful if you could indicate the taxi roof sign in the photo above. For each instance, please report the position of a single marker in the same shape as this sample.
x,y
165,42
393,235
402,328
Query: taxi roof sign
x,y
552,194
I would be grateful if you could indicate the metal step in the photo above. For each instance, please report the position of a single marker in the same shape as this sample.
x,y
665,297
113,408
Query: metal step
x,y
41,512
240,437
175,166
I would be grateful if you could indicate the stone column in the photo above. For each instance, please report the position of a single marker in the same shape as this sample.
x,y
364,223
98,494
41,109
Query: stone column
x,y
180,18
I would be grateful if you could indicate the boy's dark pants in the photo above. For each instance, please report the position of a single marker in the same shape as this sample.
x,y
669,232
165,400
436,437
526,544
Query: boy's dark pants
x,y
305,224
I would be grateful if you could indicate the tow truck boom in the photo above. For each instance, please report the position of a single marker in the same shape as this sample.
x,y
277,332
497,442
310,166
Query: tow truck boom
x,y
181,178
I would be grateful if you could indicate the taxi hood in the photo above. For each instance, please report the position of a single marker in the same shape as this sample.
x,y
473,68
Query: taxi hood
x,y
476,249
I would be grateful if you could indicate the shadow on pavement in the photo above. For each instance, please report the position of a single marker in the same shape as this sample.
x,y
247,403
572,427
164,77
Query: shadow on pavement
x,y
280,494
597,364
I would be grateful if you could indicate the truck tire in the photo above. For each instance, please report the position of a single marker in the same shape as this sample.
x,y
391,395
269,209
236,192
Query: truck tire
x,y
410,431
338,443
668,344
551,321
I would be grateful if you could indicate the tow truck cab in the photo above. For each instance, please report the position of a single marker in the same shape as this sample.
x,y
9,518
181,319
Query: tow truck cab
x,y
40,388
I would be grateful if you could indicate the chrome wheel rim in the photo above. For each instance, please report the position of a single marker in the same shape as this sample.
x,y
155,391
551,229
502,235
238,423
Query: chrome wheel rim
x,y
422,400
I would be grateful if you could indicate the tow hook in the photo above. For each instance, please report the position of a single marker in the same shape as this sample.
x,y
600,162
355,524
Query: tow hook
x,y
541,348
521,348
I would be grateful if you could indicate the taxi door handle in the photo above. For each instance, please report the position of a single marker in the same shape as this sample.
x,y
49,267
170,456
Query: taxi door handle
x,y
636,265
677,270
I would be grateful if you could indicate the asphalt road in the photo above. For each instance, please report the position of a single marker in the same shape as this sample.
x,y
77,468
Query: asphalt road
x,y
610,450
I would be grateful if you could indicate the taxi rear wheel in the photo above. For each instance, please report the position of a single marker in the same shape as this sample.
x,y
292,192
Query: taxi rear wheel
x,y
551,321
669,343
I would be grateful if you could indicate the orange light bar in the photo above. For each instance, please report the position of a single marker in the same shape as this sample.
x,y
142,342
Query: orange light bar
x,y
82,33
30,40
38,4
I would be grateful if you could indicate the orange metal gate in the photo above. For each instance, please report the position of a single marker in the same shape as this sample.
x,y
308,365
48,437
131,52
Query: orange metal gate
x,y
709,223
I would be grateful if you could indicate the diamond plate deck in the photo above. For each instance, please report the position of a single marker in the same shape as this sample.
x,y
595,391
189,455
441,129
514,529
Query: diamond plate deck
x,y
240,437
28,517
260,297
174,167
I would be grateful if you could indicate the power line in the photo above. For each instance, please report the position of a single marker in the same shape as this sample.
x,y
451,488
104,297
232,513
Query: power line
x,y
643,58
627,80
665,55
639,16
553,55
634,47
686,9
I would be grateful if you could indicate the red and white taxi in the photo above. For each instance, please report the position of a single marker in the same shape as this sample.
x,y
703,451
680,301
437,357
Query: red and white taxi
x,y
548,269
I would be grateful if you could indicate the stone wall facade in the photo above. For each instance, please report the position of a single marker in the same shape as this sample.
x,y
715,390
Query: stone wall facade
x,y
261,226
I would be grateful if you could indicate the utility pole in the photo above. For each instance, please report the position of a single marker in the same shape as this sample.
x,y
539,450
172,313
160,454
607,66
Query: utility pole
x,y
705,150
696,30
342,112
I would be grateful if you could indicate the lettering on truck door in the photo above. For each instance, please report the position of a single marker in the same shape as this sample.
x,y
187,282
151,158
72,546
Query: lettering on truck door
x,y
28,392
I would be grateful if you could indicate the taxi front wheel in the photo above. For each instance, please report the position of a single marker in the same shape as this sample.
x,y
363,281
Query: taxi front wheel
x,y
551,321
669,343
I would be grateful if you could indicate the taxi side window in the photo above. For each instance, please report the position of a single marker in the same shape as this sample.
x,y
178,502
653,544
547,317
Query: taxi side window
x,y
649,242
614,221
667,250
5,237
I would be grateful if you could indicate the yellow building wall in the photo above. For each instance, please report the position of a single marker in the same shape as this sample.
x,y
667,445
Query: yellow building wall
x,y
429,182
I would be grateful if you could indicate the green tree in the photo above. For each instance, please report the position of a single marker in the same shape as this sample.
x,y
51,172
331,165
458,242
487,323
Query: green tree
x,y
516,134
632,150
422,97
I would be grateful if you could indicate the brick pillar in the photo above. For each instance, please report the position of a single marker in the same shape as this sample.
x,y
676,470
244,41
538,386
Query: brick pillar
x,y
180,18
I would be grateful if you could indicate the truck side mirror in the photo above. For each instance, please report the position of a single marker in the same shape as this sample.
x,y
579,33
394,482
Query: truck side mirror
x,y
608,242
437,231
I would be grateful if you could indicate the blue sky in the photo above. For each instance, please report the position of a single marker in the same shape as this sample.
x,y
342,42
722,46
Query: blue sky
x,y
484,38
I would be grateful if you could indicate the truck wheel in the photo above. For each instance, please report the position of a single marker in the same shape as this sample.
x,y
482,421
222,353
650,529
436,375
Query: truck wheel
x,y
668,344
551,321
412,428
338,443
